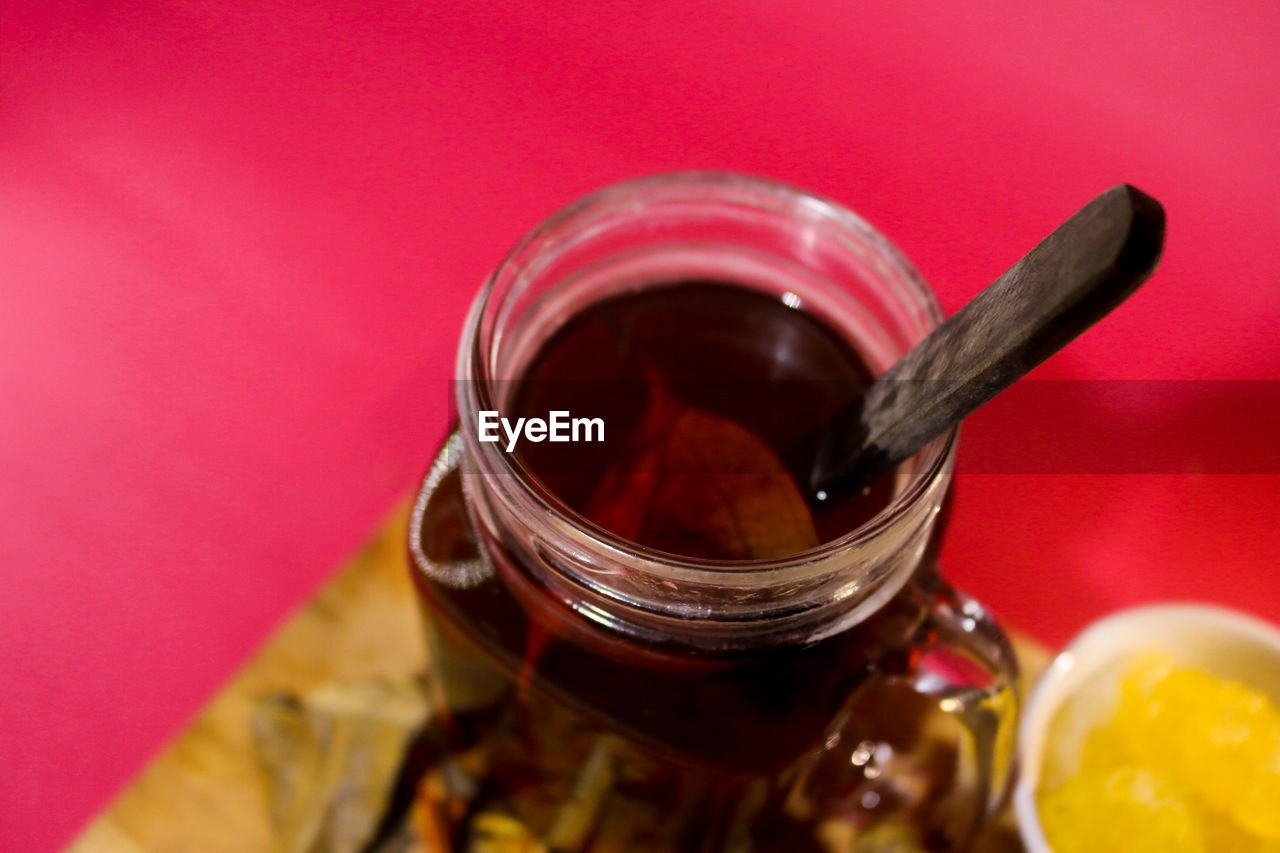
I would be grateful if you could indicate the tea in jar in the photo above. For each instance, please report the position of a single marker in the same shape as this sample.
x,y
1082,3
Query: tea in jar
x,y
652,637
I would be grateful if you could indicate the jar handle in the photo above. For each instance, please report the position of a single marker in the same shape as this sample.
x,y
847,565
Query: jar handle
x,y
963,661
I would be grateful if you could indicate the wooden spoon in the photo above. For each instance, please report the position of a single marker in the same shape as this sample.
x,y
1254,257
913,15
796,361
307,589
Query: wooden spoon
x,y
1071,280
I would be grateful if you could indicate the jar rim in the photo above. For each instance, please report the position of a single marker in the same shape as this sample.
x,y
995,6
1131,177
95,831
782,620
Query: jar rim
x,y
476,391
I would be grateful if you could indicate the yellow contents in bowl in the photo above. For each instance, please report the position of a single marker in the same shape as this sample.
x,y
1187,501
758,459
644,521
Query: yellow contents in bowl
x,y
1187,762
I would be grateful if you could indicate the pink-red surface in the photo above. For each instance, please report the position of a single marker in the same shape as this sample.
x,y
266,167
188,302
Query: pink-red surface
x,y
237,240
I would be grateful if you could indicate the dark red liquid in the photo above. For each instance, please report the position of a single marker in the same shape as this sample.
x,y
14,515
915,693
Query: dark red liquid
x,y
737,354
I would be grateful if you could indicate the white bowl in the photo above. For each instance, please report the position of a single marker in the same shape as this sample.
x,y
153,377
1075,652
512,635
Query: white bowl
x,y
1082,681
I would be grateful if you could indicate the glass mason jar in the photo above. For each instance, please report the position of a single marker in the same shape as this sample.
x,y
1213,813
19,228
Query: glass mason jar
x,y
594,694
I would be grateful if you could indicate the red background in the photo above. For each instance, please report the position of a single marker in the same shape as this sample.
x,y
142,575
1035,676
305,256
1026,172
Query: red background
x,y
237,240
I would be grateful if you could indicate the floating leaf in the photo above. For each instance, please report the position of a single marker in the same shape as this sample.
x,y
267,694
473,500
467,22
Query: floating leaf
x,y
702,485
